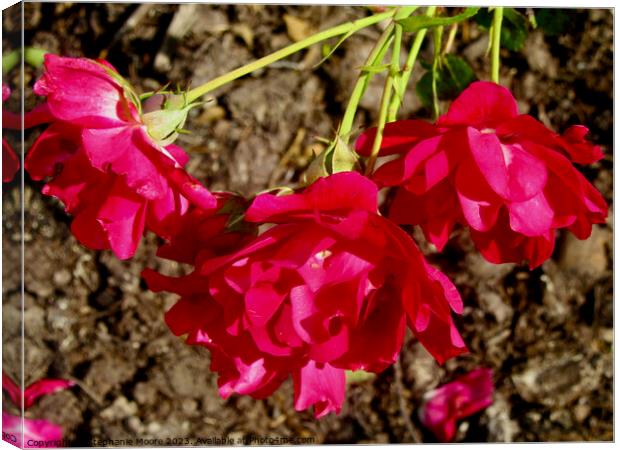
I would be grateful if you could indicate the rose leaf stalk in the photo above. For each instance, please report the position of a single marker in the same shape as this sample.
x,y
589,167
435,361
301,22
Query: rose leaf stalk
x,y
496,33
385,99
401,84
376,56
349,27
374,59
437,33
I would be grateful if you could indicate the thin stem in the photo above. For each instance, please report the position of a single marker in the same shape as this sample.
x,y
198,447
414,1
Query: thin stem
x,y
376,145
350,27
496,30
384,110
376,56
450,40
437,32
395,100
401,85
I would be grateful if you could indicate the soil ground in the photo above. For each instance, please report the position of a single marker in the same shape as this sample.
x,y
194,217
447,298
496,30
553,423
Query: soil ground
x,y
547,334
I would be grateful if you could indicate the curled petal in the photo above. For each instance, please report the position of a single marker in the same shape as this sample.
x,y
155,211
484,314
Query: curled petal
x,y
512,172
481,105
80,91
532,217
466,395
320,385
338,192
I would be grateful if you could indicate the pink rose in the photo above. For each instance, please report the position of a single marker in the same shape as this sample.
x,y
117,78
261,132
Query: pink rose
x,y
502,174
331,286
453,401
104,162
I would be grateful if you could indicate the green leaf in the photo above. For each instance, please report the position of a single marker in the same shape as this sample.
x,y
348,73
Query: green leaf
x,y
514,27
417,23
553,21
453,76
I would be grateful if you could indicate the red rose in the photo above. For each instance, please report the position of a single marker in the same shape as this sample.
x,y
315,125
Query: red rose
x,y
485,166
331,286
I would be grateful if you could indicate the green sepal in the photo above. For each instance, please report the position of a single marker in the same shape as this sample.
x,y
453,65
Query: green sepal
x,y
343,159
338,157
163,124
317,169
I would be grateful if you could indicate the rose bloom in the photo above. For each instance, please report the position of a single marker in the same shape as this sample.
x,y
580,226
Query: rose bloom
x,y
103,163
500,173
330,286
447,404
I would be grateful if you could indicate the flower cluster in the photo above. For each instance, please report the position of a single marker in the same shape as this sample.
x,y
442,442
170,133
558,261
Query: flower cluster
x,y
503,174
312,283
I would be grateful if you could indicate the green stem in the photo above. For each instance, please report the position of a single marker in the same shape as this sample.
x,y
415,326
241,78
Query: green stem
x,y
496,30
384,111
437,32
376,145
450,40
350,27
395,100
376,56
412,57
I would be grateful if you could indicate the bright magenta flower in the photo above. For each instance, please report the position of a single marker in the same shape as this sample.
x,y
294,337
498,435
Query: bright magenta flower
x,y
112,175
466,395
331,286
484,165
